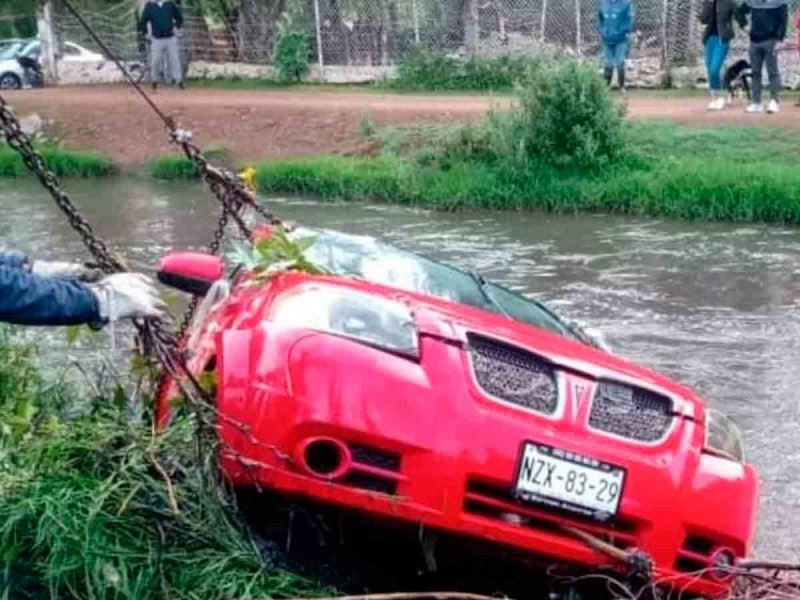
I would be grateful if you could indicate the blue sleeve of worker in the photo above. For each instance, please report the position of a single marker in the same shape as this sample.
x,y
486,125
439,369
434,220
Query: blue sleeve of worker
x,y
178,16
146,16
15,260
27,299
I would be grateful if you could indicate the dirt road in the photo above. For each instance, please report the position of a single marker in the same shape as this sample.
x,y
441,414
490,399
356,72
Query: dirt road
x,y
263,124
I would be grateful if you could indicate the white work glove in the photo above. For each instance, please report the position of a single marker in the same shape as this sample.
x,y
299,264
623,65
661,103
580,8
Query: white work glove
x,y
64,270
128,296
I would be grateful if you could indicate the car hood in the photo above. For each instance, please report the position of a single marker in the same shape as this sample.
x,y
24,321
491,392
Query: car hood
x,y
452,322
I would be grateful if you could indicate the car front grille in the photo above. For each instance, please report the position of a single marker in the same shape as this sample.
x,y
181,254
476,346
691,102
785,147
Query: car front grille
x,y
630,412
513,375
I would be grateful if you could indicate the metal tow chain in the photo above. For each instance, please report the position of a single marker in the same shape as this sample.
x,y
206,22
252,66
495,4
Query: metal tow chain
x,y
106,260
154,338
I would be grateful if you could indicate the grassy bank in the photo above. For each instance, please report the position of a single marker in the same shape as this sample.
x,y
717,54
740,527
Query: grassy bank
x,y
64,163
94,505
666,170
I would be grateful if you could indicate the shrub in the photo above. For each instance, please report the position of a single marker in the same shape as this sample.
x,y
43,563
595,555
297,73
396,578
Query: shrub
x,y
292,51
566,118
424,70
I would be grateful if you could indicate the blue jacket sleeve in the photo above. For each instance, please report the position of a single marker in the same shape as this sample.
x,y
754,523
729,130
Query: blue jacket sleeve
x,y
627,20
27,299
15,260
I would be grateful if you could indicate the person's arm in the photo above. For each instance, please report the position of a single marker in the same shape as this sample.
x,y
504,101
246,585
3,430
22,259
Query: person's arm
x,y
146,16
600,19
741,14
12,259
628,19
178,16
28,299
704,16
783,21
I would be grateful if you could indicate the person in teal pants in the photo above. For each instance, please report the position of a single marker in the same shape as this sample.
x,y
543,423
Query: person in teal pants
x,y
717,16
615,22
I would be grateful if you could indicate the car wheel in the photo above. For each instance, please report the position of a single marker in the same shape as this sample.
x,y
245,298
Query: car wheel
x,y
9,81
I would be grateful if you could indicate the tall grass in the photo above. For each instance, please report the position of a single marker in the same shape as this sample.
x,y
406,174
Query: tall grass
x,y
566,148
64,163
170,168
94,505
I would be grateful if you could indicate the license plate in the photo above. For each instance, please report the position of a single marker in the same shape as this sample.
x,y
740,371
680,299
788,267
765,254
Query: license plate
x,y
569,481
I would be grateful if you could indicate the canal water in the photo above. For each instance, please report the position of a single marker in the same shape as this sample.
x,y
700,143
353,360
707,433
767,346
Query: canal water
x,y
716,306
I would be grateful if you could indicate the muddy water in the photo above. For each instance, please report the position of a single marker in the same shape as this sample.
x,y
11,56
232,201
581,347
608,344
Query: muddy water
x,y
715,306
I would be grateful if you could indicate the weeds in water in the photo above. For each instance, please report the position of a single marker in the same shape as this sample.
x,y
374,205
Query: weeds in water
x,y
64,163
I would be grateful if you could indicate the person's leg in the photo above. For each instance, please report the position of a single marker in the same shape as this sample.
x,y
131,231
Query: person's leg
x,y
709,48
621,56
756,64
773,70
608,62
174,59
716,59
156,60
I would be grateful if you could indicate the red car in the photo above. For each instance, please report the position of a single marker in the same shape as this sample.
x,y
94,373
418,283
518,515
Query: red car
x,y
408,389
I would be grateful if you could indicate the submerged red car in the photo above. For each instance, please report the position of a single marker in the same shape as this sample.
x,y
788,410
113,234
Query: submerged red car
x,y
409,389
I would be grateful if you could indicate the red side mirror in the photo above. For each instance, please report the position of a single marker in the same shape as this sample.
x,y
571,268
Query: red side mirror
x,y
191,272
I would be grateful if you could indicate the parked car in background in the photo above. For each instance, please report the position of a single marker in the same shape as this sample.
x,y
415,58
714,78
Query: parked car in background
x,y
14,52
419,394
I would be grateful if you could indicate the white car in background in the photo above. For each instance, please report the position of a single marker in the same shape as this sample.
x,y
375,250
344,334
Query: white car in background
x,y
14,77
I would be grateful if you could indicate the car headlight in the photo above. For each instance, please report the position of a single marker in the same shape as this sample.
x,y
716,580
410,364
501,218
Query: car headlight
x,y
378,322
723,436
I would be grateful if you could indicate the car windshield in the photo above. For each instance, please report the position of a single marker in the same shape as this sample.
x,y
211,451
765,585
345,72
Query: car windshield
x,y
374,261
9,50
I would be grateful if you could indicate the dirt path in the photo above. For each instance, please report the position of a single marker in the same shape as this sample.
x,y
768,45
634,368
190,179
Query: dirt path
x,y
263,124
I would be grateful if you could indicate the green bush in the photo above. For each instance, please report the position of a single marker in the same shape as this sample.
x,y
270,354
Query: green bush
x,y
425,70
566,118
292,52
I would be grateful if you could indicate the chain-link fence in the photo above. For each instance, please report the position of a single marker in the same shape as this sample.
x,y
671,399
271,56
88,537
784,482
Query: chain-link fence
x,y
378,33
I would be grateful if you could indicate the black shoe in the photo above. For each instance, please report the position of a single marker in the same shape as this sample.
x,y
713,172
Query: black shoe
x,y
182,85
155,86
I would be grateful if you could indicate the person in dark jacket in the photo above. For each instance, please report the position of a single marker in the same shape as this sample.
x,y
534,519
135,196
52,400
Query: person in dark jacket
x,y
615,23
163,19
53,293
717,16
768,20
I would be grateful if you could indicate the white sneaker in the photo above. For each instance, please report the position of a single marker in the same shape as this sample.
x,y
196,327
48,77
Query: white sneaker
x,y
755,108
717,104
773,107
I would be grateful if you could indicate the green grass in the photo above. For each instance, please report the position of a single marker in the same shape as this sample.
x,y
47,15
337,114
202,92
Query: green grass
x,y
86,510
746,174
171,168
65,163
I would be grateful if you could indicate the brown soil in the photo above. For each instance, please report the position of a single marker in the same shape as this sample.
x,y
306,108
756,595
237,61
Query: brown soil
x,y
263,124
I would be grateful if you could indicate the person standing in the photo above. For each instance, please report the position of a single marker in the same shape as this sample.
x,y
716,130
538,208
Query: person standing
x,y
717,16
768,20
164,19
615,22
